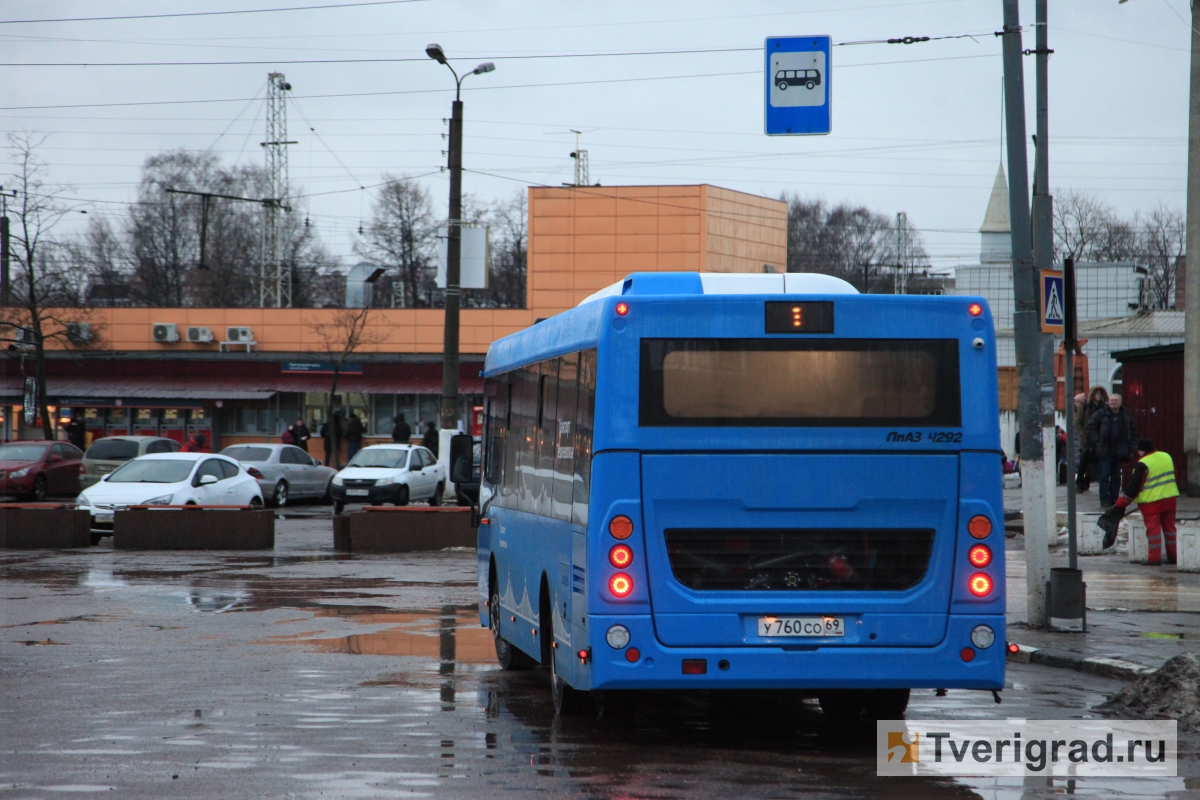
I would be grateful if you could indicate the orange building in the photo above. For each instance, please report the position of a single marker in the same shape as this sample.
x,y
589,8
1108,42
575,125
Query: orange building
x,y
177,381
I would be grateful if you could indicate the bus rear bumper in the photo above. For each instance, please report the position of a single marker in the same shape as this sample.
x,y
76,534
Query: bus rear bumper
x,y
802,665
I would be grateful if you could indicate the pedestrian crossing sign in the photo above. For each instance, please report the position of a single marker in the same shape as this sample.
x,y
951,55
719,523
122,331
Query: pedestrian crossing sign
x,y
1054,313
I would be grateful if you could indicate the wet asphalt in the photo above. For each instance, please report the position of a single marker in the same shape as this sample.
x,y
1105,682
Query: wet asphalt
x,y
306,673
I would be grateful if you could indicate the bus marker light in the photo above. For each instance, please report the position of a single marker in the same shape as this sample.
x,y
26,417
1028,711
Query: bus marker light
x,y
980,556
695,666
584,655
975,309
632,655
622,309
617,636
968,655
621,527
1014,648
620,556
979,526
621,585
981,585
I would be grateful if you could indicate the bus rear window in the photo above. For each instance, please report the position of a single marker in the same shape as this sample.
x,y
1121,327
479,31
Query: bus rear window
x,y
825,382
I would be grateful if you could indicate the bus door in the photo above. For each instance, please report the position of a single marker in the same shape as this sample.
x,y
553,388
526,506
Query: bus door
x,y
118,422
145,422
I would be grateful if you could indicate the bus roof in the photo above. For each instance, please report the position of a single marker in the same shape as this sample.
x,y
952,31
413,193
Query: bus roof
x,y
579,328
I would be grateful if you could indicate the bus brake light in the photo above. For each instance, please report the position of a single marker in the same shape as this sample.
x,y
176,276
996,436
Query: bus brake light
x,y
621,585
622,309
620,556
980,556
975,309
980,585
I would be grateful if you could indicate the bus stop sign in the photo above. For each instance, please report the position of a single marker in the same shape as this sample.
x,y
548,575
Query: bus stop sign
x,y
798,85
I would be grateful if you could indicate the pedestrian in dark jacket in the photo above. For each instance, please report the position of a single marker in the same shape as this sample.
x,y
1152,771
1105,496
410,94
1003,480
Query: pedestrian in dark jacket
x,y
401,431
76,430
1088,468
430,440
329,430
1114,436
354,436
300,434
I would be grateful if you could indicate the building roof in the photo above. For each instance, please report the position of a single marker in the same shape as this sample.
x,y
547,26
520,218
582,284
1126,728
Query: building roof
x,y
1147,353
1153,323
996,220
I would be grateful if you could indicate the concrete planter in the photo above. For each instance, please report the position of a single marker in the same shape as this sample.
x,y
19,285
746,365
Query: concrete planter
x,y
1187,546
403,529
1091,538
194,528
1139,545
44,525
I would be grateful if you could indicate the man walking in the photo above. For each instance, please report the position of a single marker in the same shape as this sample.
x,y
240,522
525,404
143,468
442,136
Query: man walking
x,y
354,436
300,434
1114,436
332,429
401,431
1152,486
430,440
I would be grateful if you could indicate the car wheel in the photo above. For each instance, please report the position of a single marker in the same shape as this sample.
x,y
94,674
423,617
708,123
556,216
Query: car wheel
x,y
256,502
96,537
328,498
338,506
39,489
439,490
402,495
280,496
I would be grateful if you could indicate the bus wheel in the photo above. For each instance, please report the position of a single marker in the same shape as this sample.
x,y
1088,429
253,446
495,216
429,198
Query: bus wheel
x,y
886,703
568,701
508,656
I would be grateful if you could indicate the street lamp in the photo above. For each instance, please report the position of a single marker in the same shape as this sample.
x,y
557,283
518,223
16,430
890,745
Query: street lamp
x,y
454,241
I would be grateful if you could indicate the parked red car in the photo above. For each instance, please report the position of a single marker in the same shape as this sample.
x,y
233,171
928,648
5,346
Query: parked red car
x,y
34,469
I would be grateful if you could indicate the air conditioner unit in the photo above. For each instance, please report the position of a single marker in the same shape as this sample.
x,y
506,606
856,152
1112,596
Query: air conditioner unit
x,y
166,332
200,335
79,332
239,335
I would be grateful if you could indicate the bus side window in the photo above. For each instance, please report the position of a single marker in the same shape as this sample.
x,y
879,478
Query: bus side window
x,y
543,484
512,442
583,437
497,411
527,437
564,437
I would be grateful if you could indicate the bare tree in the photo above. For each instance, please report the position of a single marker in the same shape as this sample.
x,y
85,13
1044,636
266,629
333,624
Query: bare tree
x,y
46,292
102,256
1162,242
509,252
1087,229
344,334
401,237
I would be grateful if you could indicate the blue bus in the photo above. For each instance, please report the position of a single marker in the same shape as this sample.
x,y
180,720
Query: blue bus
x,y
720,481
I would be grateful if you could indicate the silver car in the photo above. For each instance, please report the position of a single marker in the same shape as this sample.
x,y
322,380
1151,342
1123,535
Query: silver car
x,y
284,472
110,452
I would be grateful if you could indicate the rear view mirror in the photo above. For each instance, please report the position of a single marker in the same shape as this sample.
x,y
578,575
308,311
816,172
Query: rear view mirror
x,y
205,480
317,462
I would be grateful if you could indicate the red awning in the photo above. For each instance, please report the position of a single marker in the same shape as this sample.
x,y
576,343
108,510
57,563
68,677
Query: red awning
x,y
258,387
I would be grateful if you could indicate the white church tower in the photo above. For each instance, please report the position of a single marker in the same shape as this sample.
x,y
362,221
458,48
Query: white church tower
x,y
996,231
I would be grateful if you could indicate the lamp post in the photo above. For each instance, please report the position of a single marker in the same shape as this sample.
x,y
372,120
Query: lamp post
x,y
454,241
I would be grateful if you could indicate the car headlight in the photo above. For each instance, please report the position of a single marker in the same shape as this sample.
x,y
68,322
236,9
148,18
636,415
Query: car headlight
x,y
337,480
161,500
21,473
82,501
385,481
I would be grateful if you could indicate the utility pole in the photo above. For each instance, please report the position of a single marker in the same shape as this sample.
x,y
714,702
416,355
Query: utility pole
x,y
902,251
275,279
453,242
205,199
5,249
1026,328
1191,314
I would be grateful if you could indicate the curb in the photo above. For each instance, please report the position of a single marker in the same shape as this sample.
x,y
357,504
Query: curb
x,y
1096,665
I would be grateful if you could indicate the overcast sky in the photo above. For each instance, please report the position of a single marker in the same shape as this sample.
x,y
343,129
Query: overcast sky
x,y
916,128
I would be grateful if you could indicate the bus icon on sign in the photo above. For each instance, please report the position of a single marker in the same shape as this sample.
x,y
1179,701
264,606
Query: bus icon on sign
x,y
808,78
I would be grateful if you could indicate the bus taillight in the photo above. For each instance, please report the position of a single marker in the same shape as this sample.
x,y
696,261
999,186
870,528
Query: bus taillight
x,y
974,309
620,556
980,556
622,309
980,526
980,585
621,585
621,527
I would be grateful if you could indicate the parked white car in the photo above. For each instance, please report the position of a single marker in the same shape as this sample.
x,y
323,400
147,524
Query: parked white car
x,y
389,473
170,479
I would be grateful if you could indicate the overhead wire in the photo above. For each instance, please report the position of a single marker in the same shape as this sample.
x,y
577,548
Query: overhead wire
x,y
178,14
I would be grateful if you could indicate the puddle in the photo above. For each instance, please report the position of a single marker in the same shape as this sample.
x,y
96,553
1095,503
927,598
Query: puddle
x,y
451,638
31,642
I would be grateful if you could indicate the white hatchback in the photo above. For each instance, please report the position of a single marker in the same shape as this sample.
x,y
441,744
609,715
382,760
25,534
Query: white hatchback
x,y
170,479
389,473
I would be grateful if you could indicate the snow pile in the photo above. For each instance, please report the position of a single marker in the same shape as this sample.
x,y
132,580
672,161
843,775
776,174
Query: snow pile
x,y
1170,692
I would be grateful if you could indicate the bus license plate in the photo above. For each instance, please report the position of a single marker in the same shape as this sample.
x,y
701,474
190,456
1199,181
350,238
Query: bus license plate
x,y
104,518
801,626
358,492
